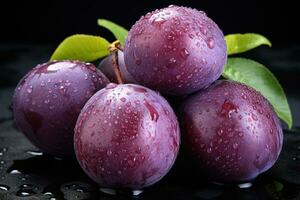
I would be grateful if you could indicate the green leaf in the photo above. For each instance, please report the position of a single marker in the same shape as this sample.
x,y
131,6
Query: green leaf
x,y
278,186
260,78
81,47
239,43
119,32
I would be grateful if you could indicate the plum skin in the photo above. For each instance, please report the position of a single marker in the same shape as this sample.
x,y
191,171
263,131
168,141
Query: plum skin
x,y
127,136
231,131
48,100
107,68
175,50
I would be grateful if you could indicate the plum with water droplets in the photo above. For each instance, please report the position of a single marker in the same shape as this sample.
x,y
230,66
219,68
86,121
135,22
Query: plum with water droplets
x,y
175,50
107,68
48,100
127,136
231,131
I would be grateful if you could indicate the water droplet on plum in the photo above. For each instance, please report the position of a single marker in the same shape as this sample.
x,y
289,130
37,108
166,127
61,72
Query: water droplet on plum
x,y
210,43
184,53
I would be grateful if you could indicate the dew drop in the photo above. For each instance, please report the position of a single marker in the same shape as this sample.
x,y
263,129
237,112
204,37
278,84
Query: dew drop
x,y
254,117
29,90
4,187
244,96
220,132
48,194
244,185
210,43
138,61
158,20
192,36
228,108
108,101
203,30
235,145
108,152
153,112
35,153
123,99
209,150
171,37
172,61
15,171
184,53
178,76
111,86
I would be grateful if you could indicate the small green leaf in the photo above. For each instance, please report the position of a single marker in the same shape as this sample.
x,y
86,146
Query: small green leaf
x,y
260,78
119,32
239,43
81,47
278,186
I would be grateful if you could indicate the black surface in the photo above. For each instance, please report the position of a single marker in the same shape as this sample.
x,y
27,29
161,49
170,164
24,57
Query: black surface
x,y
26,174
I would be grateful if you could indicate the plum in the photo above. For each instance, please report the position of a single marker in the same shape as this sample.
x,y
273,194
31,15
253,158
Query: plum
x,y
231,131
48,100
126,137
175,50
106,66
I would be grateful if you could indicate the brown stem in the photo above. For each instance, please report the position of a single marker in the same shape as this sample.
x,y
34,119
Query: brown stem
x,y
116,67
113,49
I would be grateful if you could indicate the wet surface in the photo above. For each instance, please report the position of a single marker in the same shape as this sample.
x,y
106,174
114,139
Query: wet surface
x,y
26,173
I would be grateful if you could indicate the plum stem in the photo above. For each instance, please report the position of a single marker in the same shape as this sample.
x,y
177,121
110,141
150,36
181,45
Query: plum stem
x,y
113,49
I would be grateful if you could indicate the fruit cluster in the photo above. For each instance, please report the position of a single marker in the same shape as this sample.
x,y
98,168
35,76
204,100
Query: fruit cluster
x,y
127,135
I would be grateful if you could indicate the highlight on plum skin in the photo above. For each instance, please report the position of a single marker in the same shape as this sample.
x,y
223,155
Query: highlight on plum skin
x,y
175,50
48,100
231,131
127,136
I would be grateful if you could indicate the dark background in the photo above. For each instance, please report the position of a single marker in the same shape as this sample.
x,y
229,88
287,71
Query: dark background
x,y
51,21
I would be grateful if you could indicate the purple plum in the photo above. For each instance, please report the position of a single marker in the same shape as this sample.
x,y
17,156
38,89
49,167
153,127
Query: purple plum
x,y
231,131
126,136
175,50
48,100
